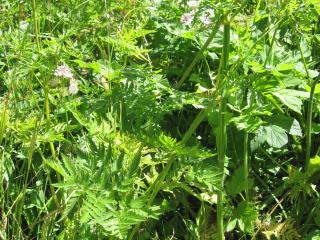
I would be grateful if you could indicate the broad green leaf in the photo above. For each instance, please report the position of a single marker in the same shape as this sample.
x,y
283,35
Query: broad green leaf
x,y
95,66
290,124
276,136
285,67
291,98
257,67
292,81
187,34
259,139
50,137
231,225
213,55
250,124
180,31
301,69
57,167
266,84
295,129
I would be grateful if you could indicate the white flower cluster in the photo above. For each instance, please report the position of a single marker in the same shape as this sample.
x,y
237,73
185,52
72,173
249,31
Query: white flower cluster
x,y
193,4
187,18
73,86
205,18
65,71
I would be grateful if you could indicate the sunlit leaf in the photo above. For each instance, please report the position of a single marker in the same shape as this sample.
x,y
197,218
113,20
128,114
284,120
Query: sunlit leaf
x,y
291,98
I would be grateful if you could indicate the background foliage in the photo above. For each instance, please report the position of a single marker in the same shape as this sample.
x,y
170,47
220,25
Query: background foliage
x,y
125,146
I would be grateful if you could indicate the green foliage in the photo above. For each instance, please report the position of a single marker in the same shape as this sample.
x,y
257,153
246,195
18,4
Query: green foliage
x,y
245,216
126,143
101,190
237,182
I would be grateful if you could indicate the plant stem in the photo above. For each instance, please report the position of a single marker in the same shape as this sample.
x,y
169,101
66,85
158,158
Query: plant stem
x,y
222,132
46,88
200,53
313,84
4,119
35,23
309,123
246,165
47,113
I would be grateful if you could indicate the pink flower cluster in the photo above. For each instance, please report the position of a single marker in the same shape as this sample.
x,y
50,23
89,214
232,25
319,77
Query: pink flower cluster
x,y
187,18
64,71
205,18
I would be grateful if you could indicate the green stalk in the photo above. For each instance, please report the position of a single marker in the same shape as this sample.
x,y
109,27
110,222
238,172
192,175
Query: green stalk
x,y
309,123
246,165
222,132
200,53
47,114
46,89
313,84
35,23
4,119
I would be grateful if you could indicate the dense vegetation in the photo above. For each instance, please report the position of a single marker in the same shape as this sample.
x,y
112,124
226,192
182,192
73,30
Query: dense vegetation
x,y
160,119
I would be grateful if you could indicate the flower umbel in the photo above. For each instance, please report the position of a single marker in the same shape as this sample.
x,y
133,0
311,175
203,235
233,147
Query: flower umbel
x,y
205,19
187,18
63,71
73,86
193,4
